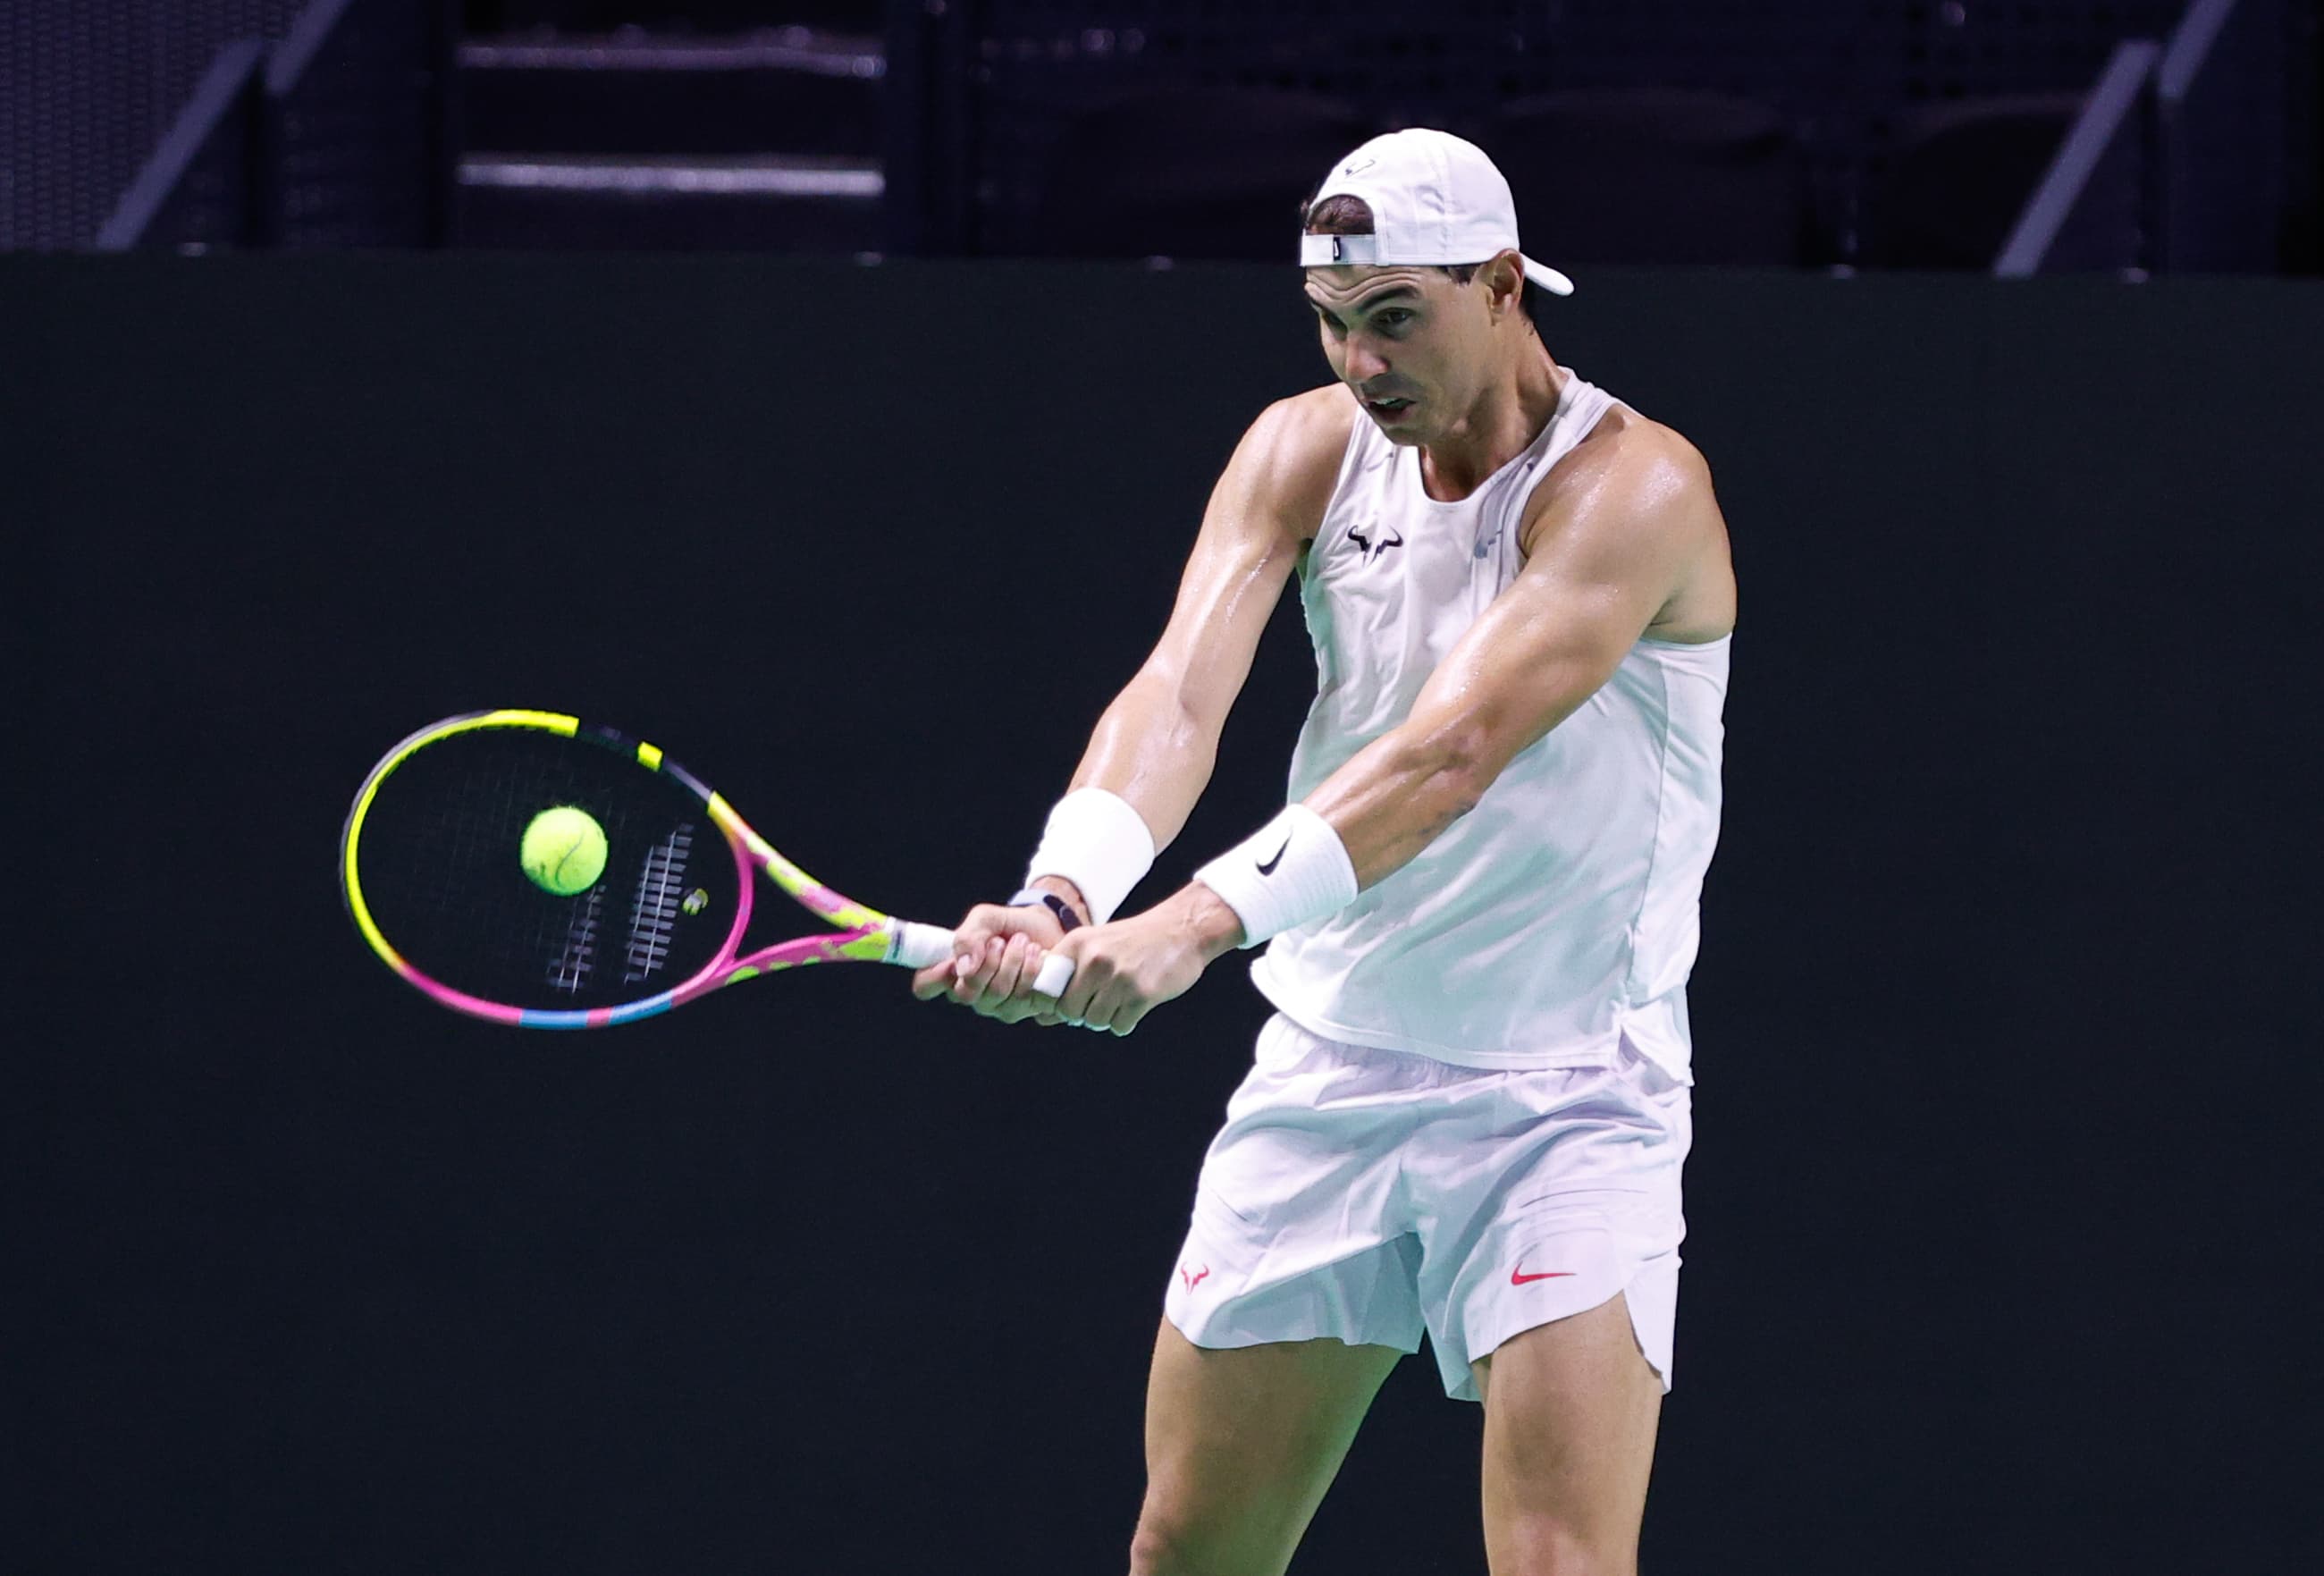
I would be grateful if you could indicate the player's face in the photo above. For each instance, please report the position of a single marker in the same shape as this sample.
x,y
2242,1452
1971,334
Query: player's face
x,y
1408,340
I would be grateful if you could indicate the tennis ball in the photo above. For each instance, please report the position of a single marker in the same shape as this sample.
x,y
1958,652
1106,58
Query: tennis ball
x,y
564,851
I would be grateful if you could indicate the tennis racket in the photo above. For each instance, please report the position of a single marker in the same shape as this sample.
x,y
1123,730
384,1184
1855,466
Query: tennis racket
x,y
432,872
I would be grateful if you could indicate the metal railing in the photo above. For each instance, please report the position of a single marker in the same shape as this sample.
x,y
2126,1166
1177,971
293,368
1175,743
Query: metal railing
x,y
338,134
2177,163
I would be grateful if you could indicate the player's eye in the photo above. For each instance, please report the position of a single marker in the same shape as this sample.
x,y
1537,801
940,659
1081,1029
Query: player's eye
x,y
1393,318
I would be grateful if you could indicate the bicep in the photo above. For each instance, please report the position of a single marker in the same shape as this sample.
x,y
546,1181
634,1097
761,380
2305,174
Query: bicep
x,y
1252,531
1603,564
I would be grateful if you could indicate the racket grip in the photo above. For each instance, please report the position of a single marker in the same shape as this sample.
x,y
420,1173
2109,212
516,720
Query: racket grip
x,y
1055,975
917,945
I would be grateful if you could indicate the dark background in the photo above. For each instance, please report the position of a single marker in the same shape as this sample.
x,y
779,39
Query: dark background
x,y
2005,1013
1768,133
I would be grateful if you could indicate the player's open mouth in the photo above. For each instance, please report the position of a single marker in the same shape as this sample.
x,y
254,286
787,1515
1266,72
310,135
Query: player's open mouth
x,y
1388,410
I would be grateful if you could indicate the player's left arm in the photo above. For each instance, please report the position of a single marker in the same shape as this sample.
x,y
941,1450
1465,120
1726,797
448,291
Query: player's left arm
x,y
1606,550
1608,545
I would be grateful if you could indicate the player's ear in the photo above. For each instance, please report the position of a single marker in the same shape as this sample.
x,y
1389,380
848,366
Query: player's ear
x,y
1504,281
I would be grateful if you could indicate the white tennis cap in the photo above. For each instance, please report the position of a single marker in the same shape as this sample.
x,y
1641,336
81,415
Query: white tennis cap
x,y
1435,198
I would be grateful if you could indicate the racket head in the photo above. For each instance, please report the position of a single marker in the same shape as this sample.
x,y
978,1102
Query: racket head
x,y
430,866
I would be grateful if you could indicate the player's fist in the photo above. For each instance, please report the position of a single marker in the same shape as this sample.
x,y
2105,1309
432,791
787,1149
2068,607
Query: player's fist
x,y
996,953
1124,969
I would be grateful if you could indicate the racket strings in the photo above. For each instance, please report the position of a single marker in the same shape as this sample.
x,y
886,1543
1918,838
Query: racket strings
x,y
653,917
570,969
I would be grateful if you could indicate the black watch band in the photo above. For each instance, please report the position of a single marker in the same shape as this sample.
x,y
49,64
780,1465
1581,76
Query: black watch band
x,y
1051,900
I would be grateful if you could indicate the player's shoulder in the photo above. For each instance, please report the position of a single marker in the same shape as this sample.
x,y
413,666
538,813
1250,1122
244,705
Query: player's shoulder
x,y
1626,460
1630,473
1290,456
1308,430
1626,444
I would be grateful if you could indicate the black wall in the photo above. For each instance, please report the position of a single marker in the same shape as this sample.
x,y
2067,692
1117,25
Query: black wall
x,y
2005,1015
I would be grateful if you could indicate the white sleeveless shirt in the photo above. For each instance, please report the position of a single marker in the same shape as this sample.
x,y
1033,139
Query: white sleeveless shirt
x,y
1560,914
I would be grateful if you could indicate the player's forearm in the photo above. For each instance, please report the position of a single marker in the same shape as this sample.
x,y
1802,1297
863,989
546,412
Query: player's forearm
x,y
1151,751
1396,795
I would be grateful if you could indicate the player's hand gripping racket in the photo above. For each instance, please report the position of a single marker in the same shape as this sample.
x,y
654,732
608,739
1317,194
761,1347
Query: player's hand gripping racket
x,y
647,911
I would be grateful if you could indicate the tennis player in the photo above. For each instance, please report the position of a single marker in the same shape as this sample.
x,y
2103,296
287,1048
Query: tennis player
x,y
1479,908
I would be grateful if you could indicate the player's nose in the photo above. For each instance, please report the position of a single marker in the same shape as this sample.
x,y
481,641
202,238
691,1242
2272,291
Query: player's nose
x,y
1365,364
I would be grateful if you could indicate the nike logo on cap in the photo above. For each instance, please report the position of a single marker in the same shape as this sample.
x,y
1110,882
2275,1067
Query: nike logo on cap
x,y
1358,168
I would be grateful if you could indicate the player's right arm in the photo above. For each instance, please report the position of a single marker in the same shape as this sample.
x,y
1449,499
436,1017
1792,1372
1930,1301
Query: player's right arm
x,y
1156,744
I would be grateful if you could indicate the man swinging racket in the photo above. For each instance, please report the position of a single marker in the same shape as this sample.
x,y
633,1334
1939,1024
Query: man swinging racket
x,y
1480,908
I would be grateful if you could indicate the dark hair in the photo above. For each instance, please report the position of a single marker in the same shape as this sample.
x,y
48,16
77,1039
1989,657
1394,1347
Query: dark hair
x,y
1353,216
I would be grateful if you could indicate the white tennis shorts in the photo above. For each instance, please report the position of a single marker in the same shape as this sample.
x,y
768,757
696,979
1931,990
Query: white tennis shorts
x,y
1364,1196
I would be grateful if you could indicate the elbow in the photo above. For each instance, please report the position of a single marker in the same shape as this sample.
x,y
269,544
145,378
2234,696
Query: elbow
x,y
1452,767
1458,792
1160,693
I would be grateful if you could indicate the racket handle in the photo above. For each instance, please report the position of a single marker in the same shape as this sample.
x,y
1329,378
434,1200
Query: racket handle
x,y
915,945
1056,973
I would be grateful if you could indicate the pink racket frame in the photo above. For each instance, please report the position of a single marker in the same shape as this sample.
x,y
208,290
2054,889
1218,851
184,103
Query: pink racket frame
x,y
863,935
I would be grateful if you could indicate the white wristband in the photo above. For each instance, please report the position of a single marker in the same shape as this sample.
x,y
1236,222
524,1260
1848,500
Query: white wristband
x,y
1097,841
1292,870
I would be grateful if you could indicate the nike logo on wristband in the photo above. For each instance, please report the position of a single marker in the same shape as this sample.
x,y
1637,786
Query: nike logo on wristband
x,y
1267,869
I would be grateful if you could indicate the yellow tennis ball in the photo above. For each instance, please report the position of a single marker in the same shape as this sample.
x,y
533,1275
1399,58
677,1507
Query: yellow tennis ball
x,y
564,851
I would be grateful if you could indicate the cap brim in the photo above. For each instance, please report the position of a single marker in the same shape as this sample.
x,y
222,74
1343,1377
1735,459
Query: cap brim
x,y
1331,251
1548,278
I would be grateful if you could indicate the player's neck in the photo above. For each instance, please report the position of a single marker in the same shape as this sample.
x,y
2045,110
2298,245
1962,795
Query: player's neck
x,y
1500,426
